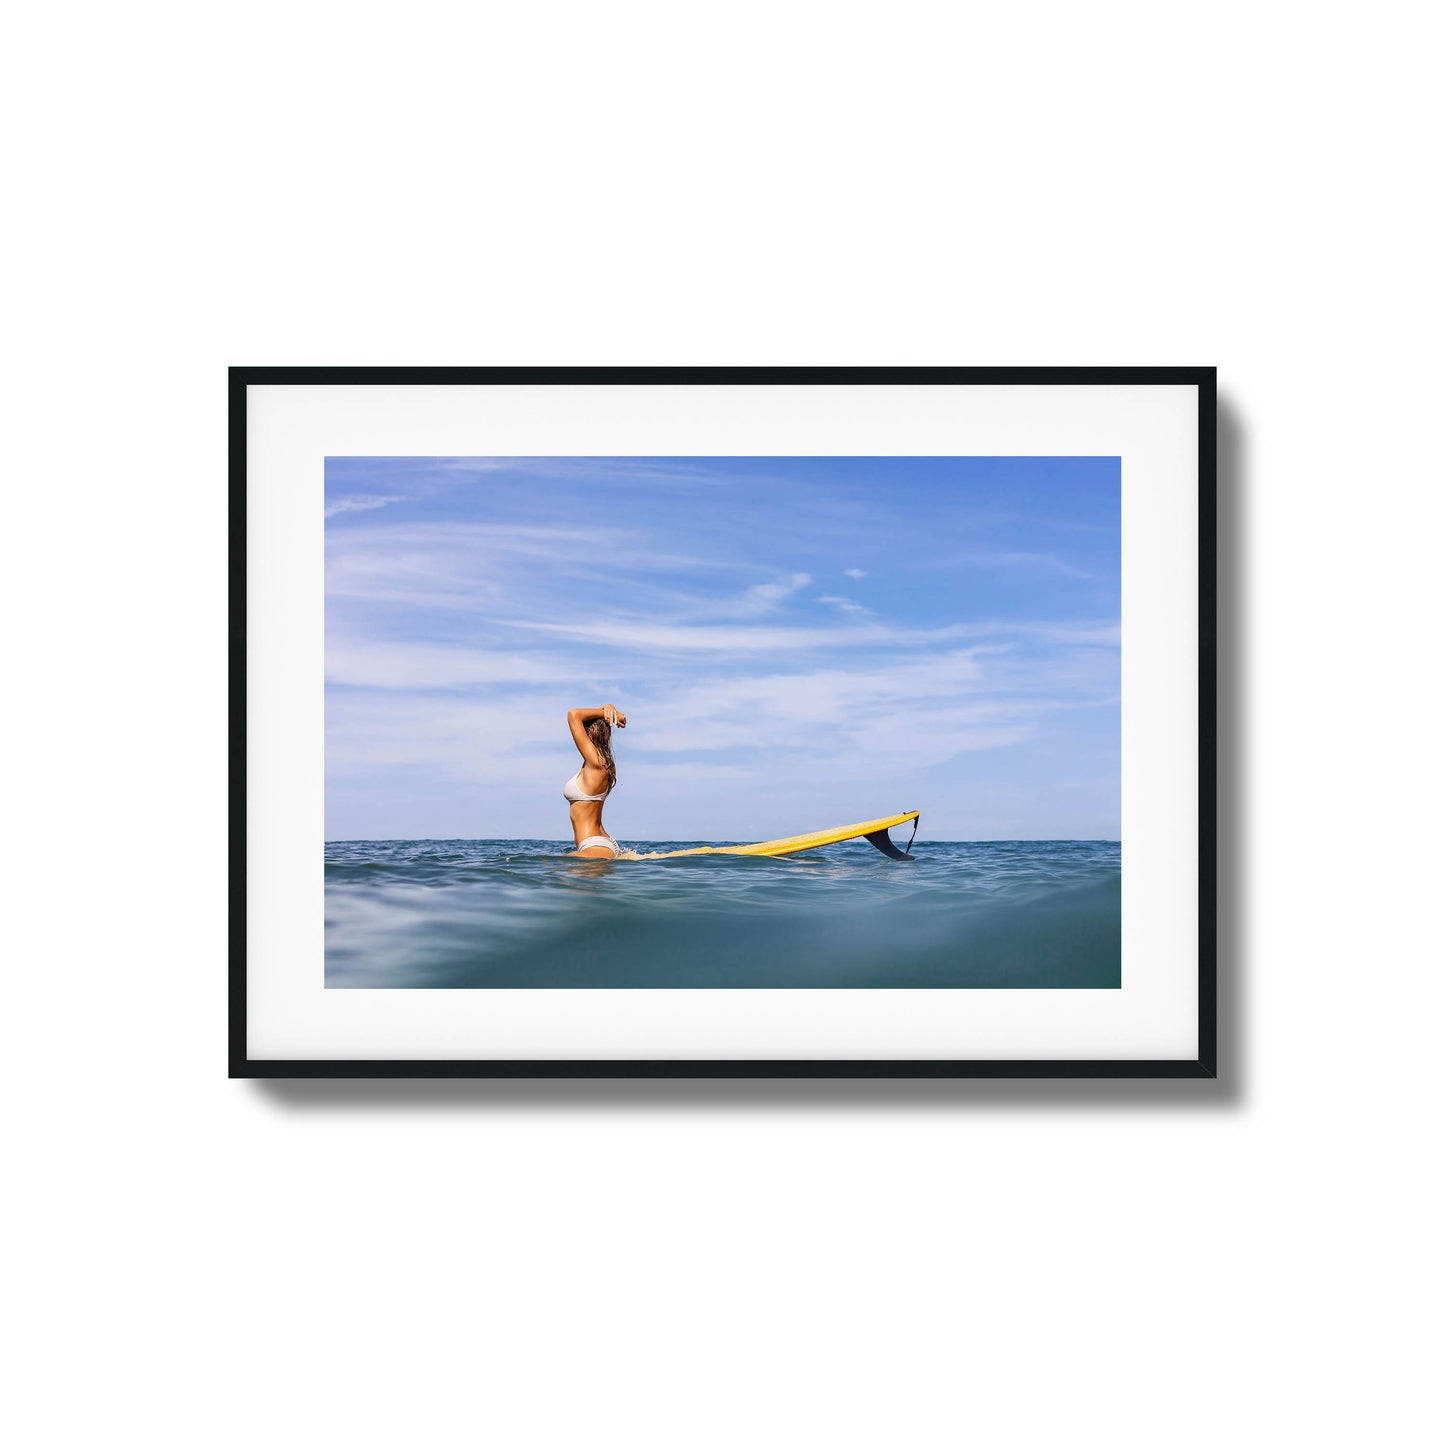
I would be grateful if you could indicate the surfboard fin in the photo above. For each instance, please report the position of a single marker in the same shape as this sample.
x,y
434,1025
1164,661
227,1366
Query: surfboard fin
x,y
885,845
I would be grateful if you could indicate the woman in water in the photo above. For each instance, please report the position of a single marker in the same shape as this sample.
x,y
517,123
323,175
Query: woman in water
x,y
588,787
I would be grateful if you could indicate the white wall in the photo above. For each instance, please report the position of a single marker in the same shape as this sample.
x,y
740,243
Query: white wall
x,y
1241,184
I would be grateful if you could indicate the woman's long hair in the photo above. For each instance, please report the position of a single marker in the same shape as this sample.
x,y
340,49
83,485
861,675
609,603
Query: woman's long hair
x,y
600,731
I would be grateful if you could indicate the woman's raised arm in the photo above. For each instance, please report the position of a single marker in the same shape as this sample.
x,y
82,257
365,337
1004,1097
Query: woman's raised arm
x,y
577,720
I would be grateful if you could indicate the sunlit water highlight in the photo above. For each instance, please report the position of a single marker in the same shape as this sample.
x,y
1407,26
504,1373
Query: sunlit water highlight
x,y
517,913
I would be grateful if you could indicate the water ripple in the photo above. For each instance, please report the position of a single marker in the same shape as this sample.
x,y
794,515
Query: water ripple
x,y
518,913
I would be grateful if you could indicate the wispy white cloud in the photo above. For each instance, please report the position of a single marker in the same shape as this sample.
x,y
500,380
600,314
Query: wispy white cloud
x,y
820,695
636,634
846,604
431,478
765,597
856,573
1045,560
583,469
477,466
643,634
909,714
359,502
477,566
457,738
353,662
1103,635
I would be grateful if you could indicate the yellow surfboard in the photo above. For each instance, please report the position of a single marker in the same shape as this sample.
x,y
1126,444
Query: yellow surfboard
x,y
875,830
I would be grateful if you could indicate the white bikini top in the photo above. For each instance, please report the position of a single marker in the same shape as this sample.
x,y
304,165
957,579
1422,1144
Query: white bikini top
x,y
572,790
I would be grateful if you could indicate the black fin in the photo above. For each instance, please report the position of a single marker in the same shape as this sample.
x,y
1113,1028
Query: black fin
x,y
885,845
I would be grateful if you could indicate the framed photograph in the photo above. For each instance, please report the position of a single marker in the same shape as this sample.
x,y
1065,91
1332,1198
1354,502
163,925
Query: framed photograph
x,y
834,722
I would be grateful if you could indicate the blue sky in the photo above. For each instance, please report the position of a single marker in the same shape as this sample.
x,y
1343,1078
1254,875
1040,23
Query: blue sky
x,y
796,641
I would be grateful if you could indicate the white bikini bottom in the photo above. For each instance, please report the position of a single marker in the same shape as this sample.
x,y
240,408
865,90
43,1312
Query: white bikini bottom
x,y
601,842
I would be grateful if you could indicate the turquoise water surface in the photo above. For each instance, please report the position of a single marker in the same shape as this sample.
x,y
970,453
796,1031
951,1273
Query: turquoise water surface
x,y
517,913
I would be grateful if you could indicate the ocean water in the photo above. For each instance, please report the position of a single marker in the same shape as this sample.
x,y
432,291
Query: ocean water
x,y
518,913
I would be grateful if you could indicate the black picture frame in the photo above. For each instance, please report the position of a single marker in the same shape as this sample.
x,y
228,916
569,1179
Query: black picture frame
x,y
1203,1066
